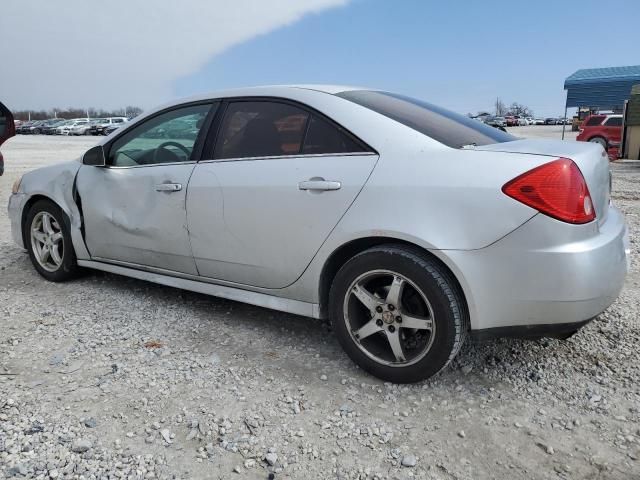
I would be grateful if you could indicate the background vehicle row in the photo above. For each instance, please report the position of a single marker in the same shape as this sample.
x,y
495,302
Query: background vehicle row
x,y
74,126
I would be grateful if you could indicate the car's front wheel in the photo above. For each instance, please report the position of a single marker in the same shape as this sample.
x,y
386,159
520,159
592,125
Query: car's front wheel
x,y
398,313
48,241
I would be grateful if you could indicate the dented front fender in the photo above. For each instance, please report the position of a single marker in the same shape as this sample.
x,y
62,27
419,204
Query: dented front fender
x,y
56,183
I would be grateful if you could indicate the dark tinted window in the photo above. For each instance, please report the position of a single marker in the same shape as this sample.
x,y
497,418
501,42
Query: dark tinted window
x,y
614,122
261,129
593,121
324,137
444,126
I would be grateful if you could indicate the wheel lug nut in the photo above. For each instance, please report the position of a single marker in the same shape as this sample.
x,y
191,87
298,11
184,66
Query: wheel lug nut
x,y
379,322
392,328
391,307
379,309
399,319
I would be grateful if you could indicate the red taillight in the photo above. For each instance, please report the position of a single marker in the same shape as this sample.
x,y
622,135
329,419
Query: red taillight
x,y
556,189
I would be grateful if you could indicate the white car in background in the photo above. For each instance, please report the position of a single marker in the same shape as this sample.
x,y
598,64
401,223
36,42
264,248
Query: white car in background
x,y
101,127
83,128
66,128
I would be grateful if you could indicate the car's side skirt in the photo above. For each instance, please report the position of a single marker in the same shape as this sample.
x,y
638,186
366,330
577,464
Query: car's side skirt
x,y
240,295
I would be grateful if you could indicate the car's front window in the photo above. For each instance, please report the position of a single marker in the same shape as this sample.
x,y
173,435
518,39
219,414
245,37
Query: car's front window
x,y
166,138
444,126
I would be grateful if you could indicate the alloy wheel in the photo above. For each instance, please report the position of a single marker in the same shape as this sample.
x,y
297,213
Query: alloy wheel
x,y
47,241
389,318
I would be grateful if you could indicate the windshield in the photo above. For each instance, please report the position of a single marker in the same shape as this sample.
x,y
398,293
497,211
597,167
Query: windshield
x,y
449,128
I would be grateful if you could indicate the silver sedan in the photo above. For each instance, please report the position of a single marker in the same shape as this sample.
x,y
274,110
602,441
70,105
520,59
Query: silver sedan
x,y
409,226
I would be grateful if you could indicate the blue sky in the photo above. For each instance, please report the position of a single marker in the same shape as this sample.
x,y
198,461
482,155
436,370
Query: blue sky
x,y
457,54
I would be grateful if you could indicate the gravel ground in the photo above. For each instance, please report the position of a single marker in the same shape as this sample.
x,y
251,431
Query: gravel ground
x,y
109,377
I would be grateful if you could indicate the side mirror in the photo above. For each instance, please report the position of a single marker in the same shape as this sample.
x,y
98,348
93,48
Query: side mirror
x,y
94,157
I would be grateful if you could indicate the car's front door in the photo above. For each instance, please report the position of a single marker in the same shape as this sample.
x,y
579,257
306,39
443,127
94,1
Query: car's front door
x,y
134,207
279,180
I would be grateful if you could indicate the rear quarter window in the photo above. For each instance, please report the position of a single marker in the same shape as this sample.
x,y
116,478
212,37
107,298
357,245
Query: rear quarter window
x,y
449,128
593,121
614,122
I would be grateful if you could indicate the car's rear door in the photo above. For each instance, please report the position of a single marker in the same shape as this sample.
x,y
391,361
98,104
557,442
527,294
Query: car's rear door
x,y
7,130
613,129
279,178
134,208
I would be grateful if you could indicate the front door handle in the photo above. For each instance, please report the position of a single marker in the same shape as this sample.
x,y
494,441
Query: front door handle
x,y
168,187
319,184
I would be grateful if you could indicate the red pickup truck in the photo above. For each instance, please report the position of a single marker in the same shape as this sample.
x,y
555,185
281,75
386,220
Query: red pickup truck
x,y
603,129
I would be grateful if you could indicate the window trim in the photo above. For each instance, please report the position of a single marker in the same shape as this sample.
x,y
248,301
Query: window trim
x,y
215,130
197,146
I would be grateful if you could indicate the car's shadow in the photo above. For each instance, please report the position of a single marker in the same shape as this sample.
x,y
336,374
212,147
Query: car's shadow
x,y
281,331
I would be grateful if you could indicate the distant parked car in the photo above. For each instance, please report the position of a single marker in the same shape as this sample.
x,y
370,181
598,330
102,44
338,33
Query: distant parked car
x,y
511,121
538,121
84,128
65,128
112,128
50,127
21,126
496,122
603,129
550,121
100,127
35,128
522,122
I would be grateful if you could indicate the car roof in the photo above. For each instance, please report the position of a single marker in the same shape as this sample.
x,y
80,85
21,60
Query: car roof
x,y
267,90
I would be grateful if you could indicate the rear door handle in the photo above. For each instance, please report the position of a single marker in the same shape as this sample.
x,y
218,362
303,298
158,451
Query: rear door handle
x,y
168,187
319,185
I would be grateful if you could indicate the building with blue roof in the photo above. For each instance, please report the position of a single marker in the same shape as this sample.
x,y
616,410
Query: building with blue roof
x,y
601,88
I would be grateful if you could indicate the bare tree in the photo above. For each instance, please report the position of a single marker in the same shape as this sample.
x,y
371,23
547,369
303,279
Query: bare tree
x,y
520,110
133,111
501,108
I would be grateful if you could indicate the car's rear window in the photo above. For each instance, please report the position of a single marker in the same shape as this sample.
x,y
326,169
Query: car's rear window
x,y
451,129
593,121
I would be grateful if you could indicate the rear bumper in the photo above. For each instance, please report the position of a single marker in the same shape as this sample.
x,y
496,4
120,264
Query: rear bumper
x,y
529,332
545,273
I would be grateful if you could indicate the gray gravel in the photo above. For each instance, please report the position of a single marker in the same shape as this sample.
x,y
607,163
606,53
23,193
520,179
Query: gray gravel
x,y
109,377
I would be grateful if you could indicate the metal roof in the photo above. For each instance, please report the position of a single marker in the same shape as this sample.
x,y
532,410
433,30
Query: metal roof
x,y
601,87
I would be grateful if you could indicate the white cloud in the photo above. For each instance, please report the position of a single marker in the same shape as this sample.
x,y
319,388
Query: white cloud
x,y
107,54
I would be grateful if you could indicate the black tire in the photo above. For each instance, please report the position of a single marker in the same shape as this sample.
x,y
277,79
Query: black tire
x,y
601,140
68,268
438,286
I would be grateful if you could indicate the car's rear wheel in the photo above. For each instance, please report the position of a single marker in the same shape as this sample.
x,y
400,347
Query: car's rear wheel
x,y
49,242
398,313
599,140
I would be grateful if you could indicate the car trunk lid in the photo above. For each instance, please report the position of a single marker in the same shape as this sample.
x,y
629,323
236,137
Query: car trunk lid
x,y
590,158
